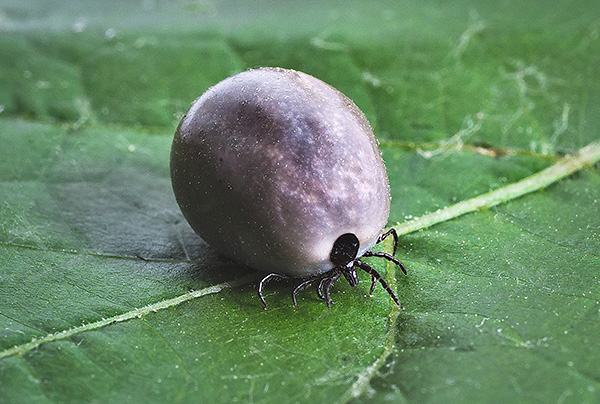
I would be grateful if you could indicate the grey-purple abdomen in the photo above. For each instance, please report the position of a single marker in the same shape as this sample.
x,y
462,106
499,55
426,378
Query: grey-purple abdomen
x,y
271,166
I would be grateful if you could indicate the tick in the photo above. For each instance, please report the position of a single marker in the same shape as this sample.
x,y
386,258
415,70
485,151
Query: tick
x,y
281,172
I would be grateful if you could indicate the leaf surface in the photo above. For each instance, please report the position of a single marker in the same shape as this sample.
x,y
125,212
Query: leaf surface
x,y
107,295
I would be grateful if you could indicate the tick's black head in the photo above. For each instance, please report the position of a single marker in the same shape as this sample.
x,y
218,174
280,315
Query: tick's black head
x,y
344,249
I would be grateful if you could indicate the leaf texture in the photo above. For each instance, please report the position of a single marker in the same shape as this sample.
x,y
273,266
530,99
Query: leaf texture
x,y
107,295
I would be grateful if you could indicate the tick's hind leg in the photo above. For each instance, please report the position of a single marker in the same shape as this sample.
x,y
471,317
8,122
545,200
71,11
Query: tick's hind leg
x,y
320,287
373,283
264,281
302,285
391,231
328,285
387,257
367,268
325,285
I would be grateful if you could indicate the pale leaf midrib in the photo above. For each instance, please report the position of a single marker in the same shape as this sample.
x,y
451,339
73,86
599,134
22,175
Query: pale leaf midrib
x,y
163,304
587,156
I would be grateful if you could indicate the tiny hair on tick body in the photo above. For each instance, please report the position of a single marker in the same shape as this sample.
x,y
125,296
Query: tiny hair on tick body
x,y
281,172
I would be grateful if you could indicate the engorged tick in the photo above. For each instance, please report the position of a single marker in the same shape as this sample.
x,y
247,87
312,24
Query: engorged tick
x,y
281,172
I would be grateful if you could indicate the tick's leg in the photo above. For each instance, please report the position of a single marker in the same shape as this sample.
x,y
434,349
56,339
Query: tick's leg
x,y
303,284
327,278
367,268
320,287
391,231
328,285
387,257
262,284
373,283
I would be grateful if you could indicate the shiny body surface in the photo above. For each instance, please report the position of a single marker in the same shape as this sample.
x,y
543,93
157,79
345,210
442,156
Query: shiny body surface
x,y
271,166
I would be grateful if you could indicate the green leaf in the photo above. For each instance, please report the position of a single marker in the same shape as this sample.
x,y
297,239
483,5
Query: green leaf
x,y
107,295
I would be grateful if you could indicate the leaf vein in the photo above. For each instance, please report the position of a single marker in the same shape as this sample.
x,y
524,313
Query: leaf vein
x,y
105,255
587,156
137,313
